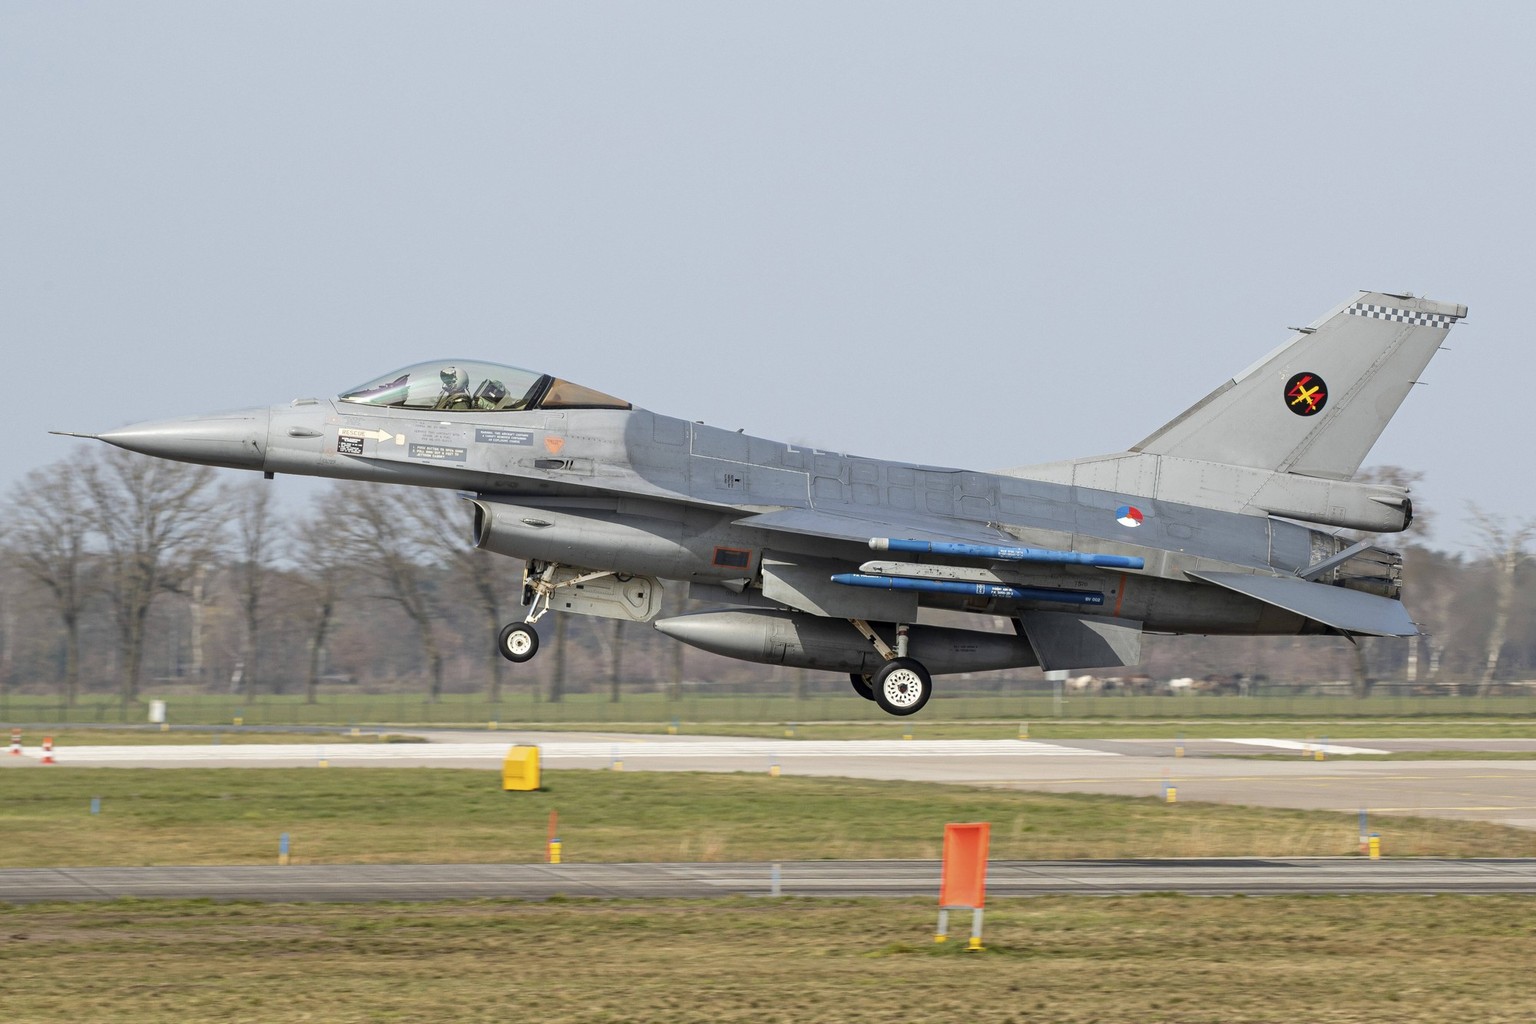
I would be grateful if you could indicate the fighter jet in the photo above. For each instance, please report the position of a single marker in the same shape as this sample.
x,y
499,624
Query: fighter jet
x,y
1225,520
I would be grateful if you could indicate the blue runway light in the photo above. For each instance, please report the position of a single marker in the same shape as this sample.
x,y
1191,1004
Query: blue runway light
x,y
997,590
1007,554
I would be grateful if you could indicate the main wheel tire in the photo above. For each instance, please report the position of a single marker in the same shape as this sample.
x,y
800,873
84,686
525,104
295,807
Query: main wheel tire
x,y
518,642
902,687
862,685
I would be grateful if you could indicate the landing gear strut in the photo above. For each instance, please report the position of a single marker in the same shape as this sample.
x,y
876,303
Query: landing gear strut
x,y
902,685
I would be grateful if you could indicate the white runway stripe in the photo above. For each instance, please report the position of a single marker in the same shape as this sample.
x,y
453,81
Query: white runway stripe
x,y
670,749
1326,748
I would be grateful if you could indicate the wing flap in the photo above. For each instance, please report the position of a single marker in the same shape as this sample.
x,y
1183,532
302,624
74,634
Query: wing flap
x,y
1349,611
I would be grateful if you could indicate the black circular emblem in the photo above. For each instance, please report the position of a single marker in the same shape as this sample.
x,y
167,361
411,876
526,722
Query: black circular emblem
x,y
1306,394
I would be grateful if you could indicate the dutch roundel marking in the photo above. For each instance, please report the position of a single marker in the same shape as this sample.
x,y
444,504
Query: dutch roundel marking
x,y
1306,394
1128,515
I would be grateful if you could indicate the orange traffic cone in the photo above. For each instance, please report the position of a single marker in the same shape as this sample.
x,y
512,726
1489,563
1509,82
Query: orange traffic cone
x,y
48,750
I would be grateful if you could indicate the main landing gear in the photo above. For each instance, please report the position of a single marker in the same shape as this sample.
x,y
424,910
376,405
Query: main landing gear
x,y
902,685
863,684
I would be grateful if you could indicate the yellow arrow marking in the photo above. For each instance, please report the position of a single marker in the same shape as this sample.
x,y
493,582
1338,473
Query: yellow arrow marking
x,y
376,435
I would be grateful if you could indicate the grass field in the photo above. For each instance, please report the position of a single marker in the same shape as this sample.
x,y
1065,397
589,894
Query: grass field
x,y
1111,960
923,727
418,815
701,706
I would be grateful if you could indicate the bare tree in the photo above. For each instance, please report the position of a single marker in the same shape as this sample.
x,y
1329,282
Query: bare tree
x,y
1366,652
255,543
1505,546
442,521
558,661
156,523
321,562
377,527
49,522
616,666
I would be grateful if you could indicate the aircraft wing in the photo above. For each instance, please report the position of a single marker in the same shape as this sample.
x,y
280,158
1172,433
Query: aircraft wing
x,y
883,522
1349,611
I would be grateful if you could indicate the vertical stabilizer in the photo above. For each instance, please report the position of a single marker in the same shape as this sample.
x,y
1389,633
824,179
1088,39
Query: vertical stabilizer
x,y
1315,406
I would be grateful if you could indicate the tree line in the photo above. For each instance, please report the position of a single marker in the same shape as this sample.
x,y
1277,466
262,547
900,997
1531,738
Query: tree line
x,y
123,570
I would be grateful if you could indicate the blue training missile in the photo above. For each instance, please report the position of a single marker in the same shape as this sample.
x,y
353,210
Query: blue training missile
x,y
1002,554
1002,590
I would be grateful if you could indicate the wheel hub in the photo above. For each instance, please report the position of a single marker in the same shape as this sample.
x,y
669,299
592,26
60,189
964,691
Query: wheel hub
x,y
902,687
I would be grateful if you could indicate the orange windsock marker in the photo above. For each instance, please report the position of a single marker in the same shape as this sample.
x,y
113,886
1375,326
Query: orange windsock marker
x,y
48,750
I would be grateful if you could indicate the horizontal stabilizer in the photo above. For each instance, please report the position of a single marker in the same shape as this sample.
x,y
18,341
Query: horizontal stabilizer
x,y
1064,640
1348,611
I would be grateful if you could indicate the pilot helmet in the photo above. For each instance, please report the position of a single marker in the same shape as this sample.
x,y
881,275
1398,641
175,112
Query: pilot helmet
x,y
450,377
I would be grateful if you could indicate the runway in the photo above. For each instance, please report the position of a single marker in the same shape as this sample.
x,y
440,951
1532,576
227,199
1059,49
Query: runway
x,y
405,882
1217,770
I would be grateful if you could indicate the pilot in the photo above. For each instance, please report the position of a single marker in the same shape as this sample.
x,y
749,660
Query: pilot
x,y
455,393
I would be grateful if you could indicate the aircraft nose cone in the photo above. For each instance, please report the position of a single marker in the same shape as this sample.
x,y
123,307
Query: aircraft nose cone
x,y
236,440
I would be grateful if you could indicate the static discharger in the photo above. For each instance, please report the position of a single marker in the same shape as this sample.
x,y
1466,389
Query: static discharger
x,y
1044,556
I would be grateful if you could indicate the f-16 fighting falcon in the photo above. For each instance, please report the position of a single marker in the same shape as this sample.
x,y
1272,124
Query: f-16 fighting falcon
x,y
1225,520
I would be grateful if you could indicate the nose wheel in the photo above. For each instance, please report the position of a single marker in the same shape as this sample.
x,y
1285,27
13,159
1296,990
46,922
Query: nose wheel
x,y
518,642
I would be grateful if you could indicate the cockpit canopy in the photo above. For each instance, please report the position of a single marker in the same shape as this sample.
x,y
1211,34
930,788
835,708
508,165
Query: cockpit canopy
x,y
459,385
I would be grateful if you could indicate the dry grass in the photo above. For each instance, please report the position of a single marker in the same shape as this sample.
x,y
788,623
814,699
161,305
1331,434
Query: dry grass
x,y
1067,959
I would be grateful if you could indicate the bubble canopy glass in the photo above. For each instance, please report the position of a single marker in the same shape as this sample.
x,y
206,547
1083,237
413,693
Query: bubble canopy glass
x,y
460,385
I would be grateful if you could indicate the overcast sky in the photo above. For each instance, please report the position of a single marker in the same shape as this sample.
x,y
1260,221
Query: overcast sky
x,y
966,234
